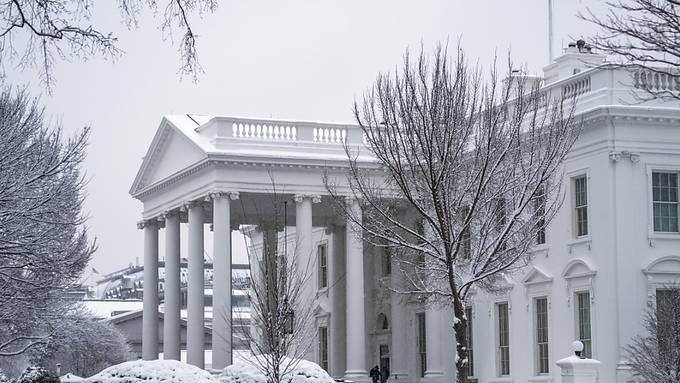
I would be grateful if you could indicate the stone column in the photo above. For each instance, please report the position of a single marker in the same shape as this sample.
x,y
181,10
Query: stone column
x,y
150,308
356,321
433,343
337,296
398,326
196,285
222,332
303,226
171,317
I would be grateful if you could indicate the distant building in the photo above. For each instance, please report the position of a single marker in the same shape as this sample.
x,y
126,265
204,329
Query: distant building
x,y
119,301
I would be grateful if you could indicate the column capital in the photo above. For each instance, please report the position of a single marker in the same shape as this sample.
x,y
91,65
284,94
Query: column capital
x,y
233,195
151,222
298,198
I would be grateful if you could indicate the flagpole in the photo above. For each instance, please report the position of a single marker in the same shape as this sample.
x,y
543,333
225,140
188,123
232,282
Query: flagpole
x,y
551,53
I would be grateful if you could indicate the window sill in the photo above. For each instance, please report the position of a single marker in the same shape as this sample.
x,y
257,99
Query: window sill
x,y
541,379
585,240
321,292
502,379
540,249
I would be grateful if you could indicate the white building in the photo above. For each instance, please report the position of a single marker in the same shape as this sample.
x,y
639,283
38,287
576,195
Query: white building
x,y
590,280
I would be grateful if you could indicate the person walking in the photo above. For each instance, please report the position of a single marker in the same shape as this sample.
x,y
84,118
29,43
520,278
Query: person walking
x,y
375,374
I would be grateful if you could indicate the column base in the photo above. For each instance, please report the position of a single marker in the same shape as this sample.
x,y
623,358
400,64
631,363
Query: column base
x,y
357,376
433,376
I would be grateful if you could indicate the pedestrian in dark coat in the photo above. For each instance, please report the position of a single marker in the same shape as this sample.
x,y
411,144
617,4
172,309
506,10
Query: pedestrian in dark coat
x,y
375,374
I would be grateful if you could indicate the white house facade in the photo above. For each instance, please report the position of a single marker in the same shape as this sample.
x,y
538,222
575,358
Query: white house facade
x,y
614,243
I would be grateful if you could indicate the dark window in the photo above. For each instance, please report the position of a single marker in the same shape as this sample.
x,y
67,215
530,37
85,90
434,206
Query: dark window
x,y
503,339
584,329
581,205
323,348
470,343
420,336
539,208
323,266
542,360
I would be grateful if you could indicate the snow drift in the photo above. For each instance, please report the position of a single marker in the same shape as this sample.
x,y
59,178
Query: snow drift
x,y
301,371
157,371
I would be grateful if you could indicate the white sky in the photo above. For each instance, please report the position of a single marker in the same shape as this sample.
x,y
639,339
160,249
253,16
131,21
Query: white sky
x,y
302,59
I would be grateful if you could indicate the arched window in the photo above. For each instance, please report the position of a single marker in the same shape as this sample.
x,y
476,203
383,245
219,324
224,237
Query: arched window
x,y
383,323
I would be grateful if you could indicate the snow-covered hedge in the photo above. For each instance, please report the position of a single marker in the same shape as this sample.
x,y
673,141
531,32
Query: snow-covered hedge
x,y
157,371
37,375
303,371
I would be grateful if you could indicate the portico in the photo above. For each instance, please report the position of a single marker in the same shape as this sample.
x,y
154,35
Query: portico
x,y
221,172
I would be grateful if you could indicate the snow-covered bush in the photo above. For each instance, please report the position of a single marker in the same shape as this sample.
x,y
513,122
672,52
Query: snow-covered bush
x,y
3,377
37,375
297,371
157,371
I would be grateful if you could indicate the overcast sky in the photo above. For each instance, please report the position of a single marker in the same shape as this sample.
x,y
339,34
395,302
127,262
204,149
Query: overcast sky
x,y
303,59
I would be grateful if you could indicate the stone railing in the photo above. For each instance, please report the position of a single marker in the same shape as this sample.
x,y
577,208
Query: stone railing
x,y
576,87
260,130
655,81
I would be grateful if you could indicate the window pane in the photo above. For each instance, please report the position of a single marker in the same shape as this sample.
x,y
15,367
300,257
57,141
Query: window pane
x,y
583,315
541,305
581,205
422,355
470,342
503,340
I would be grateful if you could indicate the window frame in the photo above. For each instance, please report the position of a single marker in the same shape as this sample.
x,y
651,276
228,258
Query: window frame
x,y
573,178
322,269
658,168
470,314
537,343
323,351
577,318
421,344
497,342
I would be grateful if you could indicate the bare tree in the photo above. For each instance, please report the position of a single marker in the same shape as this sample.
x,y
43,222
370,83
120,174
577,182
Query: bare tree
x,y
644,34
38,33
655,356
281,312
468,176
43,241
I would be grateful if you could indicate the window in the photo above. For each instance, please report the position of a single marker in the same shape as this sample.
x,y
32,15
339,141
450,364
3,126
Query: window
x,y
470,343
323,348
383,323
322,258
583,322
500,213
581,205
542,360
465,245
503,339
422,353
539,208
667,301
387,261
665,201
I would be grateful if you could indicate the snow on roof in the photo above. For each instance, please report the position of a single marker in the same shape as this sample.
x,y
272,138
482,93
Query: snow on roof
x,y
105,308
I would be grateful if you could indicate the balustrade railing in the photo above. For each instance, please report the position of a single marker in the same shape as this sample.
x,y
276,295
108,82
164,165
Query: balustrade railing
x,y
655,81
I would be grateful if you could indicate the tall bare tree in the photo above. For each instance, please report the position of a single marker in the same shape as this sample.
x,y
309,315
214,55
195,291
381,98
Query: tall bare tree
x,y
38,33
282,314
44,245
655,356
644,34
468,176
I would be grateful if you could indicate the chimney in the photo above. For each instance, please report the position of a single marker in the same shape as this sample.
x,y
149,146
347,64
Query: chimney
x,y
577,57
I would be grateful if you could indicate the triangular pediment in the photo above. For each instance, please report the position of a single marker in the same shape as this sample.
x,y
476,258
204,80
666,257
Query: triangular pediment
x,y
170,152
578,268
536,276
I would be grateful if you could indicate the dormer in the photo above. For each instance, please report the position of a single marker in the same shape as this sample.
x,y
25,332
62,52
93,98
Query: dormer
x,y
577,58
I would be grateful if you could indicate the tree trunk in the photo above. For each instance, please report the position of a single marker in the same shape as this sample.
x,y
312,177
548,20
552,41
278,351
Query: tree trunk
x,y
460,330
